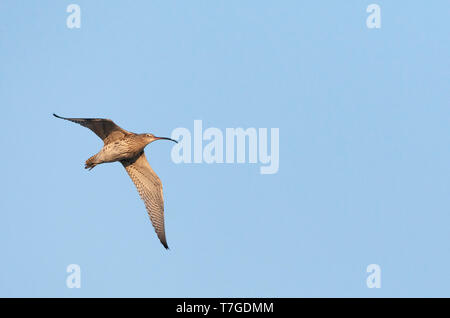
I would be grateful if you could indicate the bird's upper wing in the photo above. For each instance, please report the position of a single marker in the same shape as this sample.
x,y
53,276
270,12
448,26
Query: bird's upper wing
x,y
150,189
106,129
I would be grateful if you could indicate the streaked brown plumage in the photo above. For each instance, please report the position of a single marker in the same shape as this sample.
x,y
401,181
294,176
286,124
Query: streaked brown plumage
x,y
128,148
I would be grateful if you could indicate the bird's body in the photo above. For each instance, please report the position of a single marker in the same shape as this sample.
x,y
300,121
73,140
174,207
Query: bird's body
x,y
128,148
124,148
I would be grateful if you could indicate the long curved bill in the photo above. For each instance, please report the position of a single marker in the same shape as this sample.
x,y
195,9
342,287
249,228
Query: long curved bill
x,y
165,138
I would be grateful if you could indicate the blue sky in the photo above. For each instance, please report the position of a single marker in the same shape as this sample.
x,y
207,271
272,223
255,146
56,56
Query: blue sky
x,y
364,173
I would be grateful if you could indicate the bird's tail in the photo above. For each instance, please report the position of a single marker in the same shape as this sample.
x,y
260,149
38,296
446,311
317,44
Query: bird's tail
x,y
90,163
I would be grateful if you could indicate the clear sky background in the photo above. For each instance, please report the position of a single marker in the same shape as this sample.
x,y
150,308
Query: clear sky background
x,y
364,172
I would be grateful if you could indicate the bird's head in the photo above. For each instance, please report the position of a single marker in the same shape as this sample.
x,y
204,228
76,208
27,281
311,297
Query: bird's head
x,y
150,138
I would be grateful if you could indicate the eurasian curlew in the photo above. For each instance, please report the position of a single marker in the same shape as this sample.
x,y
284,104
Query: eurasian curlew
x,y
128,148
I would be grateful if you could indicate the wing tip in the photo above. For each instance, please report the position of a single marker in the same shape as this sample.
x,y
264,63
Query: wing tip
x,y
164,242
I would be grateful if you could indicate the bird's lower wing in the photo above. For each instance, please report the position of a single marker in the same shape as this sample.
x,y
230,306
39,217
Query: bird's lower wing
x,y
150,189
106,129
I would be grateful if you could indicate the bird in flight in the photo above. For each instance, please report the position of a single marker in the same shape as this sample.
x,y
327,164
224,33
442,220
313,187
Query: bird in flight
x,y
128,148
